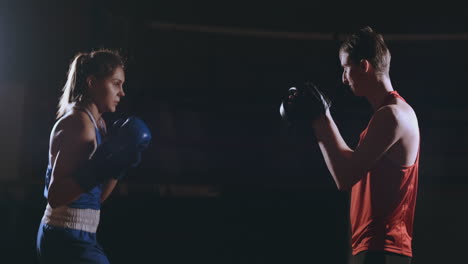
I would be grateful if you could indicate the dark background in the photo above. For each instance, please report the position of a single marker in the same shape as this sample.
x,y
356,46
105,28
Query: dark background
x,y
224,180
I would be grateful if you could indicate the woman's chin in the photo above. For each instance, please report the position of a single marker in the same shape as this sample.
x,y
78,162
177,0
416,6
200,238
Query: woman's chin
x,y
111,109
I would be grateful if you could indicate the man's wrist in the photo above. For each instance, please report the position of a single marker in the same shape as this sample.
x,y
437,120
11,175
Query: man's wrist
x,y
321,120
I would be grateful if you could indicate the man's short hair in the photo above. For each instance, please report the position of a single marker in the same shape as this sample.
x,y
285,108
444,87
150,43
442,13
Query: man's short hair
x,y
366,44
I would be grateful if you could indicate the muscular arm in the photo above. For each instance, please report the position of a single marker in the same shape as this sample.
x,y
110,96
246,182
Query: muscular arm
x,y
348,166
72,144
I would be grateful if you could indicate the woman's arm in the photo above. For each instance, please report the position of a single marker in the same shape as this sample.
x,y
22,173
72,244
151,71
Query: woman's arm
x,y
107,189
73,141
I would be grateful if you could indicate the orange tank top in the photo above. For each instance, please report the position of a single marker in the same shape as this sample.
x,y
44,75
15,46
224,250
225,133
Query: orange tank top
x,y
383,204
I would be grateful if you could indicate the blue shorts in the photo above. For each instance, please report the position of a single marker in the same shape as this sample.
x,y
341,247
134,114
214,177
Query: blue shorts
x,y
64,245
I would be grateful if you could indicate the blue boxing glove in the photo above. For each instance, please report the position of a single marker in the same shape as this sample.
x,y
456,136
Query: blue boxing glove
x,y
127,138
121,150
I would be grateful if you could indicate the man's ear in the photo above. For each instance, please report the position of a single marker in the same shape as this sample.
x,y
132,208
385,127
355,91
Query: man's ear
x,y
365,65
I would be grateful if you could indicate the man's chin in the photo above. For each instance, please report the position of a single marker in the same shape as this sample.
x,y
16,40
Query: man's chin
x,y
355,92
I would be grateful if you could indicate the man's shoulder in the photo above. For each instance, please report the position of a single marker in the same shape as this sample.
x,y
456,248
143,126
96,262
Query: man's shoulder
x,y
401,114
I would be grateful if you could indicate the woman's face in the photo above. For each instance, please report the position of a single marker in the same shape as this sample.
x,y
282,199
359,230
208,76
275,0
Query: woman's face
x,y
108,91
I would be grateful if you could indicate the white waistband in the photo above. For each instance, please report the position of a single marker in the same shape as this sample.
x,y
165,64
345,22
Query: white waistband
x,y
74,218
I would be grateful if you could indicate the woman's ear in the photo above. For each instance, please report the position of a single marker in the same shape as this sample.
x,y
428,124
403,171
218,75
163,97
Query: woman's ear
x,y
90,81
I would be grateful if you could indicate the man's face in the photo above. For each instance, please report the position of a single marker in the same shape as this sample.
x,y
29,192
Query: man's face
x,y
351,73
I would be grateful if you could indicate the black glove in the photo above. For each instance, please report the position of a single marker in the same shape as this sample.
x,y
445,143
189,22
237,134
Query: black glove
x,y
304,104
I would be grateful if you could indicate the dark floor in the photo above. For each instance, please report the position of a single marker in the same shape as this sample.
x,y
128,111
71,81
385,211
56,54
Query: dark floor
x,y
247,225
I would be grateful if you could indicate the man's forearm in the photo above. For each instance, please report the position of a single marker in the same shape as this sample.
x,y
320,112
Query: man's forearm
x,y
336,153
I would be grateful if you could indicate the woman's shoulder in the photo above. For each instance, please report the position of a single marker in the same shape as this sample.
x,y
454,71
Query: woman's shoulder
x,y
75,124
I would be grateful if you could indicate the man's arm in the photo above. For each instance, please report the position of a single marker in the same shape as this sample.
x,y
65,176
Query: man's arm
x,y
348,166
